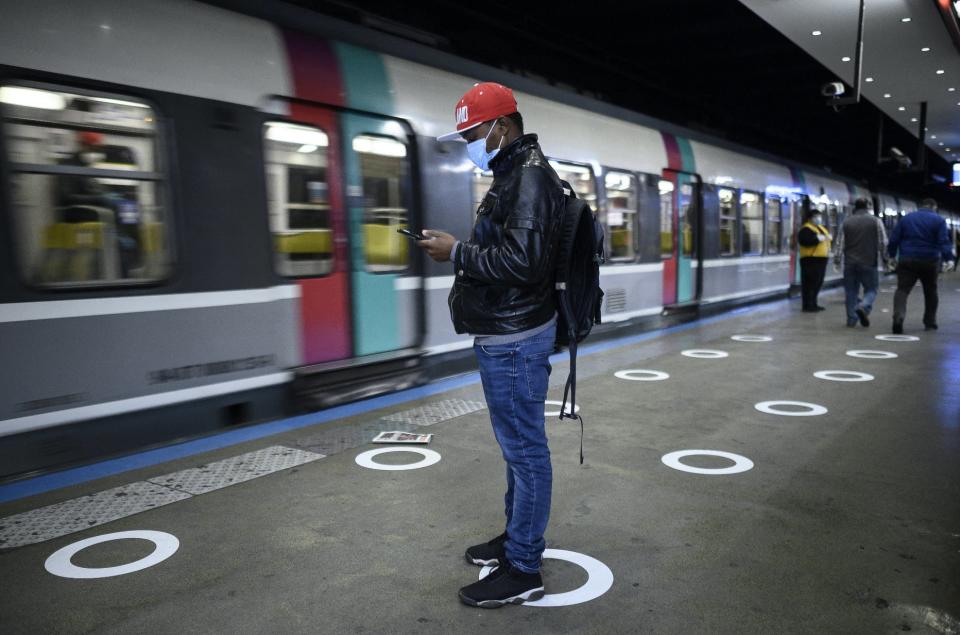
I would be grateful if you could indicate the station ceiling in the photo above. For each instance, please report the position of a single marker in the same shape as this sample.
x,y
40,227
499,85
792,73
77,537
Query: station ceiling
x,y
713,66
908,57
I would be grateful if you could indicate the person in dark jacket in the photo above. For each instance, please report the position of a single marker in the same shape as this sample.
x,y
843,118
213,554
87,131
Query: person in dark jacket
x,y
503,295
919,242
814,240
861,245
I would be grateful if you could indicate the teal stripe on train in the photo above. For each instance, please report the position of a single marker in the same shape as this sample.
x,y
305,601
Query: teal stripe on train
x,y
685,275
375,309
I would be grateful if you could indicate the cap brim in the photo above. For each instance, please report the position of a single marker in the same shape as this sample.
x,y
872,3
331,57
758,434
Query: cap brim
x,y
456,134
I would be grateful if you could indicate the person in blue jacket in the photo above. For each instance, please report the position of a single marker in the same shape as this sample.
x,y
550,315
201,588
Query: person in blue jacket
x,y
922,240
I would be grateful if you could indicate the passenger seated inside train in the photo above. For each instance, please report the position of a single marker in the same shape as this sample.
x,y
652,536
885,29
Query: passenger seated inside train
x,y
87,199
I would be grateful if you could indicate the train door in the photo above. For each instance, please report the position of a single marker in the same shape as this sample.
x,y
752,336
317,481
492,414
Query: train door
x,y
681,226
378,173
308,225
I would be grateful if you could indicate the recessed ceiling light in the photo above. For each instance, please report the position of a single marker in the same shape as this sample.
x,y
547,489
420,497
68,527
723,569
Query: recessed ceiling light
x,y
844,59
886,95
869,79
816,33
904,19
933,136
925,49
940,71
913,119
951,89
940,144
901,108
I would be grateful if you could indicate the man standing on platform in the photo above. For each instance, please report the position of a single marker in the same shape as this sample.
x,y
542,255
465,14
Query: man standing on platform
x,y
922,240
503,294
861,244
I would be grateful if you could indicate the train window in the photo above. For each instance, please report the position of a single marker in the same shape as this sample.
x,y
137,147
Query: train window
x,y
580,178
833,219
386,191
297,199
774,225
666,218
751,223
728,222
86,188
621,214
688,226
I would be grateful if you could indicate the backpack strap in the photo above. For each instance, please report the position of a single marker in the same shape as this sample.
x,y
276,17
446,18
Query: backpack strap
x,y
571,390
568,229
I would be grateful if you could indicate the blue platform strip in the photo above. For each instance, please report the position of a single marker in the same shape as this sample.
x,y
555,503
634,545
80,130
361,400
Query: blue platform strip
x,y
75,476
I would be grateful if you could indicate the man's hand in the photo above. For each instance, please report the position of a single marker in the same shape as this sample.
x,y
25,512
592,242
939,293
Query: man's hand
x,y
438,245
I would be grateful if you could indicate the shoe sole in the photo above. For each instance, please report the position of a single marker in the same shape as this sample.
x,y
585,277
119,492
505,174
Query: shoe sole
x,y
481,563
529,596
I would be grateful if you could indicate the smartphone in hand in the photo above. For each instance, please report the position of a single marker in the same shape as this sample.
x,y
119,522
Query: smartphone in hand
x,y
409,234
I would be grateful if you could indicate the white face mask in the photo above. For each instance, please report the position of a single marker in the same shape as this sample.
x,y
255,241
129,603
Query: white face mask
x,y
818,220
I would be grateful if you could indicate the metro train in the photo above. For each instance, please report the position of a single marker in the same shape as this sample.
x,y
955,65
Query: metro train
x,y
198,213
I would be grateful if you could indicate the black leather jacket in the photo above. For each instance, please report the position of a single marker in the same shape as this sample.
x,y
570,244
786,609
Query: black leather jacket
x,y
504,279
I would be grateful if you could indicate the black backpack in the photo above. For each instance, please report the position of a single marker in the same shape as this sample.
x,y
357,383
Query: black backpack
x,y
578,293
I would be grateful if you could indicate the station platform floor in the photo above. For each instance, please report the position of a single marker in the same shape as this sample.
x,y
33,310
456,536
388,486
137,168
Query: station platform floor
x,y
847,520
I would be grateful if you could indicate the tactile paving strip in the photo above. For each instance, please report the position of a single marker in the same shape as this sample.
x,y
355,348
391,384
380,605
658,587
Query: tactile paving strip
x,y
436,412
336,440
237,469
53,521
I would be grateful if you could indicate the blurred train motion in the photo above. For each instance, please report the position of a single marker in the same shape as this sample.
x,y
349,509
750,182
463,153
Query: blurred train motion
x,y
198,212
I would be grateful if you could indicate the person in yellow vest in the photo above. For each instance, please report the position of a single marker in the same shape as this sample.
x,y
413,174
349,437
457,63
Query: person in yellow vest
x,y
814,241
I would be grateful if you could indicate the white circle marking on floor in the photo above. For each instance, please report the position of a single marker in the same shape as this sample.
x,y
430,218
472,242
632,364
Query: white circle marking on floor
x,y
843,375
559,404
365,459
872,354
599,579
704,353
751,338
897,338
650,375
770,407
740,463
59,563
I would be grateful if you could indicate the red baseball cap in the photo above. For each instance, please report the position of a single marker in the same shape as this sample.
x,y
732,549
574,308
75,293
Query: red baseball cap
x,y
481,103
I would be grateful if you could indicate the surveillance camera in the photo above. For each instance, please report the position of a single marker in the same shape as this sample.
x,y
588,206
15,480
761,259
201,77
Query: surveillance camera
x,y
900,157
833,89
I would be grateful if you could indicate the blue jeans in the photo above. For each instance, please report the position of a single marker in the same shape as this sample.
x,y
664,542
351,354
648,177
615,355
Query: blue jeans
x,y
854,276
515,379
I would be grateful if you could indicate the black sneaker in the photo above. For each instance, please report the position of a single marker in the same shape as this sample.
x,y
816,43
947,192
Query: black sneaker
x,y
864,320
488,553
930,327
898,327
505,585
821,308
